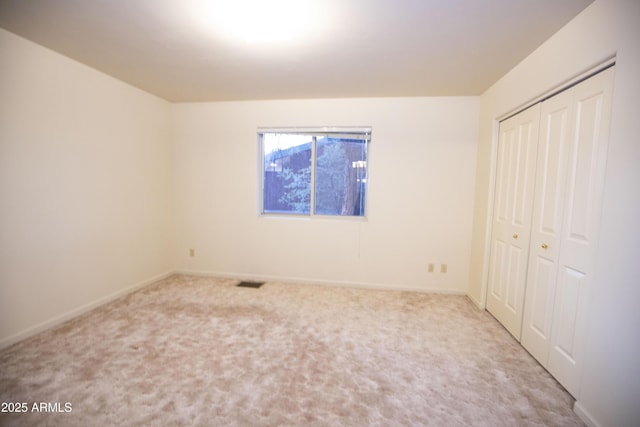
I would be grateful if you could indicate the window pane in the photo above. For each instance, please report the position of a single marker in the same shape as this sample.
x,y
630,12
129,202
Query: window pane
x,y
287,173
341,176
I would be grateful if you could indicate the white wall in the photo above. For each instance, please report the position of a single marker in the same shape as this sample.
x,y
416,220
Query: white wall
x,y
422,165
611,380
85,188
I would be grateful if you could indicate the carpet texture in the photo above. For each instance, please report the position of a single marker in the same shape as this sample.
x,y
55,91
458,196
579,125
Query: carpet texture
x,y
204,352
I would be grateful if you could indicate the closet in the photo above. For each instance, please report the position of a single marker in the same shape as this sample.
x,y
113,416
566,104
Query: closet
x,y
548,197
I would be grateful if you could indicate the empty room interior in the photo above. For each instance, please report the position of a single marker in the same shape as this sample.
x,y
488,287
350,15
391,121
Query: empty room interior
x,y
319,212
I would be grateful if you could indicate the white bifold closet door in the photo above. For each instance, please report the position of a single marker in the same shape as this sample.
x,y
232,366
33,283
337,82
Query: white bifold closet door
x,y
571,162
511,228
548,198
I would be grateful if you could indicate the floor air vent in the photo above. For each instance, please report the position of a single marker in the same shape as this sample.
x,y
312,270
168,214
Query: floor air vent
x,y
250,284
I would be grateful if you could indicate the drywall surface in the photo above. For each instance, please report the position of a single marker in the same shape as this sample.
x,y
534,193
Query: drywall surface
x,y
85,188
611,379
419,199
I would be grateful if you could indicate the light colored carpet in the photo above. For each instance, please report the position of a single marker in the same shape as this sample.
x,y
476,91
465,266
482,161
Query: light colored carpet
x,y
201,351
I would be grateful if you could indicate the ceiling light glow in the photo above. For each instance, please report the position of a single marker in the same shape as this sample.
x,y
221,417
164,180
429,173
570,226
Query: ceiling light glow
x,y
260,21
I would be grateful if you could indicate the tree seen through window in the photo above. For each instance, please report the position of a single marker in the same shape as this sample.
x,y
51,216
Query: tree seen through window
x,y
331,168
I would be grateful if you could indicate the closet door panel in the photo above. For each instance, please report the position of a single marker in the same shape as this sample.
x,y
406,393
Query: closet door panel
x,y
497,269
583,202
570,284
554,141
511,227
538,307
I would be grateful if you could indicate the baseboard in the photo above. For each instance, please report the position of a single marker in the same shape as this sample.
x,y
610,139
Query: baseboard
x,y
476,302
54,321
312,281
584,415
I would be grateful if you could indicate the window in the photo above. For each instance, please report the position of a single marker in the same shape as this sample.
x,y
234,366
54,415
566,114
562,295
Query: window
x,y
314,171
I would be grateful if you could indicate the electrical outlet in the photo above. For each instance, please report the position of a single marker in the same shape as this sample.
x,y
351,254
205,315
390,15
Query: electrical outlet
x,y
431,267
443,268
192,252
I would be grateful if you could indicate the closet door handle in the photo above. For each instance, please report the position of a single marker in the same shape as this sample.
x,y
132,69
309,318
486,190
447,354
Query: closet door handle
x,y
544,246
515,236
